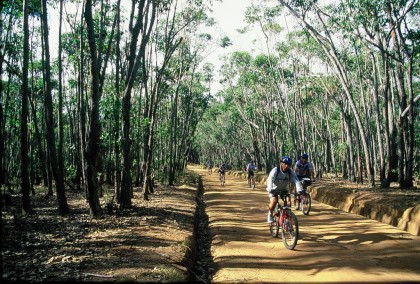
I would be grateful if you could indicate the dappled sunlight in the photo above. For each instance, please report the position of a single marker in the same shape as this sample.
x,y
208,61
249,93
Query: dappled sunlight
x,y
333,245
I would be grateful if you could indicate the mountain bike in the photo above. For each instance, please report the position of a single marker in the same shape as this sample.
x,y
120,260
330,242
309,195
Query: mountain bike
x,y
302,199
222,179
251,182
284,218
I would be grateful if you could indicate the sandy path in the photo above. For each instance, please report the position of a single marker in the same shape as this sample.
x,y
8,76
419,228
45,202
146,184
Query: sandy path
x,y
333,245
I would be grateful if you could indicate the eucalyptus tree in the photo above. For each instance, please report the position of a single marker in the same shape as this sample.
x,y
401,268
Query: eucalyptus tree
x,y
99,56
49,117
185,65
26,203
388,31
324,38
372,23
140,24
175,18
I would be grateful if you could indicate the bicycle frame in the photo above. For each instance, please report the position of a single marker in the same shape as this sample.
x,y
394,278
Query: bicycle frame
x,y
285,219
303,200
222,179
251,182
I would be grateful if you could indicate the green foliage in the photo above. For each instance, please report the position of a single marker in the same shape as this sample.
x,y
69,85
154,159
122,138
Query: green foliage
x,y
225,42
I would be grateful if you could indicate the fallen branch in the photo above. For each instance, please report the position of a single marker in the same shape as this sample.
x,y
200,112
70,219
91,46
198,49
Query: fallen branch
x,y
98,275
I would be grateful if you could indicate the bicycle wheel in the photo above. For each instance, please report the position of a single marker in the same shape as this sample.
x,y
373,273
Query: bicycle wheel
x,y
290,230
253,184
274,226
305,203
296,202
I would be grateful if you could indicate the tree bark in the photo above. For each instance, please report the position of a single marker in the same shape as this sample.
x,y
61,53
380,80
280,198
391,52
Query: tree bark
x,y
26,202
49,118
93,136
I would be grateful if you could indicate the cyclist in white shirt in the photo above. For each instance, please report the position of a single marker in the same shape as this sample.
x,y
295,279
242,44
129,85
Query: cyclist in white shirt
x,y
278,182
250,168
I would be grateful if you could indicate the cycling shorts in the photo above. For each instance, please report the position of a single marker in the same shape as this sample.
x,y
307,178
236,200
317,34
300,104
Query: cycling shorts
x,y
282,193
250,174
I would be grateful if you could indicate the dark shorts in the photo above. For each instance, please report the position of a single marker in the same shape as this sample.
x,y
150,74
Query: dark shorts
x,y
282,193
250,174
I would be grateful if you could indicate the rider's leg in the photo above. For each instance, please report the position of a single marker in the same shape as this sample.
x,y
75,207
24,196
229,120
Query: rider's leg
x,y
271,206
288,200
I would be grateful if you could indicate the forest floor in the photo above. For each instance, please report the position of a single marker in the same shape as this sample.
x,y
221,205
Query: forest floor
x,y
150,242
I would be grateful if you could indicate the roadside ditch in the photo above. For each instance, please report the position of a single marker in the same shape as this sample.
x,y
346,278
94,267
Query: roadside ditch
x,y
198,258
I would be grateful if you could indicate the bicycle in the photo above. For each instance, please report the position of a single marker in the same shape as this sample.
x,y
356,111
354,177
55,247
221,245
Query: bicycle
x,y
302,200
251,182
210,170
284,218
222,179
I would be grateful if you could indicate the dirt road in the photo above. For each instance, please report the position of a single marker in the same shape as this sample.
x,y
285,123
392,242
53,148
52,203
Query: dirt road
x,y
333,246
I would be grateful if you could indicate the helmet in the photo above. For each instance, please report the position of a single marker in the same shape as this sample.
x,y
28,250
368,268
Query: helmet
x,y
286,159
305,156
251,161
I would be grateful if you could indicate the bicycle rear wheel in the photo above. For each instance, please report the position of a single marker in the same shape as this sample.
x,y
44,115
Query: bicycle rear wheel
x,y
306,203
290,230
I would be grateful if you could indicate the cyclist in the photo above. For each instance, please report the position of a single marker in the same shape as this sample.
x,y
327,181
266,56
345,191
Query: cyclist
x,y
210,167
304,169
222,171
278,183
251,167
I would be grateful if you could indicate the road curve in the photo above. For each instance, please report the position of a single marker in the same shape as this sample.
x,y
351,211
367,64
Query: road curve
x,y
334,246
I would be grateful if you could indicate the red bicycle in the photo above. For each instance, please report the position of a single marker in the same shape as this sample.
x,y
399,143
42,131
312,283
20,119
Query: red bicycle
x,y
284,218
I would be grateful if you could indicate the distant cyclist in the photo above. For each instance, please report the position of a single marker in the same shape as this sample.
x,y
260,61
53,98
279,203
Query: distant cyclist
x,y
278,183
210,167
250,168
304,169
222,171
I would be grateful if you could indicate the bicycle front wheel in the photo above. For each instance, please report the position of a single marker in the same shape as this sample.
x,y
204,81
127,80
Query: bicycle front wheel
x,y
274,226
296,202
305,203
290,230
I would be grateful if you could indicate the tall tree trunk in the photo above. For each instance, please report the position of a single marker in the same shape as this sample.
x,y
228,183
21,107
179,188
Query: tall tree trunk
x,y
144,22
378,120
60,99
402,120
117,105
93,135
81,114
41,151
49,114
26,202
410,131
